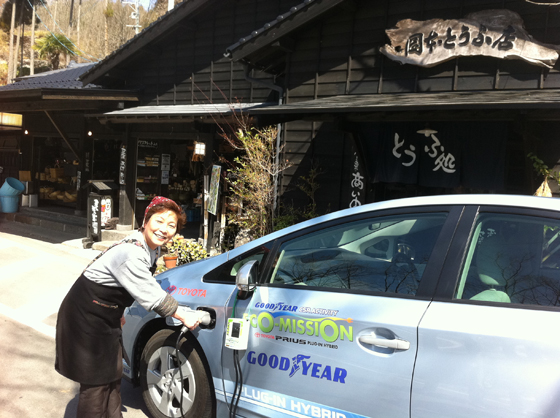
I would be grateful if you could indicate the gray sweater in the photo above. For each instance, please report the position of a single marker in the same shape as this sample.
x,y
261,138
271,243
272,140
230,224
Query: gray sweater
x,y
128,265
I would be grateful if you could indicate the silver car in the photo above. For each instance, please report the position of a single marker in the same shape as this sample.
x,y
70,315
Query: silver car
x,y
443,306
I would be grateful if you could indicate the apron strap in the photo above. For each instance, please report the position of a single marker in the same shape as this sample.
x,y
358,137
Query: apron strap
x,y
124,241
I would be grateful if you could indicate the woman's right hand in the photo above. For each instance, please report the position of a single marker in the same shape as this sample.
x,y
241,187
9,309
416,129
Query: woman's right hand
x,y
187,317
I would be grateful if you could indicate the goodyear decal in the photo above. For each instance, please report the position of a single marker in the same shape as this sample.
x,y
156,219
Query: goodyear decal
x,y
330,329
281,306
298,363
273,404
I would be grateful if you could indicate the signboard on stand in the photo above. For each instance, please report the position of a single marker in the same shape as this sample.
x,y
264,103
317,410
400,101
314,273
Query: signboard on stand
x,y
122,166
214,189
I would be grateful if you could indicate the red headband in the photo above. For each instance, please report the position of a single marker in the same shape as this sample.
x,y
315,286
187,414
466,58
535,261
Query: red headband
x,y
156,201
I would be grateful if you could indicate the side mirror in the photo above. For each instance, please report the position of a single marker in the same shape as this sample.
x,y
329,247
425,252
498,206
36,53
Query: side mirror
x,y
247,278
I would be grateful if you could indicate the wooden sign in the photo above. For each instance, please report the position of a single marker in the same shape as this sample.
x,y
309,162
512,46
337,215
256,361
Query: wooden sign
x,y
493,33
214,189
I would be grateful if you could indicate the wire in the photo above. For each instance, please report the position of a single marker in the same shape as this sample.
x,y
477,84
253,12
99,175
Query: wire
x,y
61,31
236,367
240,382
181,333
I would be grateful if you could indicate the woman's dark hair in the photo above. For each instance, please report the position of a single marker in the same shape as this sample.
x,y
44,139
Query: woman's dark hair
x,y
164,206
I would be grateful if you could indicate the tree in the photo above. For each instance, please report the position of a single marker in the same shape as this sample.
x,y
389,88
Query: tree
x,y
251,176
50,47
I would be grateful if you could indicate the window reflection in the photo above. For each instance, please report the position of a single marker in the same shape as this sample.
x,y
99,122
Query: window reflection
x,y
383,255
513,259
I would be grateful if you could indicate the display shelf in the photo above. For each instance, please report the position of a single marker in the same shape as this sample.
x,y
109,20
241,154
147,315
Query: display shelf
x,y
147,174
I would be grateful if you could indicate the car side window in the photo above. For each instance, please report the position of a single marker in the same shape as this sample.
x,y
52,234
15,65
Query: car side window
x,y
385,254
227,272
512,259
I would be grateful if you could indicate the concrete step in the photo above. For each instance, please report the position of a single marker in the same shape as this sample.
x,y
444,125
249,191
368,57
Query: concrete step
x,y
57,222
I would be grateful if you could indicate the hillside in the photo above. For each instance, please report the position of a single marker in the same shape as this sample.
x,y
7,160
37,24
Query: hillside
x,y
98,28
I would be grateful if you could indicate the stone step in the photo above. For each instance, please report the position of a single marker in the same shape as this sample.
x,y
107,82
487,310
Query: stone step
x,y
109,237
115,234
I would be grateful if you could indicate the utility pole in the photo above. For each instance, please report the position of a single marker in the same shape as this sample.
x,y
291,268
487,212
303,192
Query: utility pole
x,y
106,28
11,56
32,42
134,15
78,27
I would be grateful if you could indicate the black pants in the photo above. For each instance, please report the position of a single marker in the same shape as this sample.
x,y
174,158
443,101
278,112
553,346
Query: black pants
x,y
103,401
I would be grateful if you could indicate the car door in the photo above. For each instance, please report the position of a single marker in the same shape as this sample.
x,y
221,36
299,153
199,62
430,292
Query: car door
x,y
489,344
333,325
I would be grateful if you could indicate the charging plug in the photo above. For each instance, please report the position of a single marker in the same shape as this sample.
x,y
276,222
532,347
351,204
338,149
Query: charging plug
x,y
202,317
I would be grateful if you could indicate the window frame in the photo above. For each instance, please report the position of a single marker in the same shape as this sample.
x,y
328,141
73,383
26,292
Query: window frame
x,y
217,271
458,253
433,267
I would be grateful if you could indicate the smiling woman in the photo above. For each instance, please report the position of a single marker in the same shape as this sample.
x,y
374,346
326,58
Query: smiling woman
x,y
88,333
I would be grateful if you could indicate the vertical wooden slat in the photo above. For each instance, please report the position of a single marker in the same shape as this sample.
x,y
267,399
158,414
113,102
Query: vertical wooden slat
x,y
211,81
230,95
380,85
541,77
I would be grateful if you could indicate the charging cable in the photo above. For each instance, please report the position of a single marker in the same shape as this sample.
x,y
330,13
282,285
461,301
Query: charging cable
x,y
204,318
238,373
183,331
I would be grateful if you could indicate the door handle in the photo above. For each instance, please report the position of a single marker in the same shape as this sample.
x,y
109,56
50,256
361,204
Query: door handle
x,y
396,344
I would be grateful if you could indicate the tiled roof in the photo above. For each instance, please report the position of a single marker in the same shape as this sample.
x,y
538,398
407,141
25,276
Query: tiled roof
x,y
66,78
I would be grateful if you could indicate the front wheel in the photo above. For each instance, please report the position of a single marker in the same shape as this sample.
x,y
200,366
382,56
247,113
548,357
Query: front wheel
x,y
160,378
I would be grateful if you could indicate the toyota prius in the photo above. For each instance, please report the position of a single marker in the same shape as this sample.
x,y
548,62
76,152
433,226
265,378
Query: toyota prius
x,y
443,306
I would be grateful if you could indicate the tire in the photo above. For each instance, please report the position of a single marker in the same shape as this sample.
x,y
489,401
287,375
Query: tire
x,y
160,378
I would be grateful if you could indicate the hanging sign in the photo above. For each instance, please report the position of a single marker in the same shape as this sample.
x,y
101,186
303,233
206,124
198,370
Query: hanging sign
x,y
166,162
147,144
122,166
493,33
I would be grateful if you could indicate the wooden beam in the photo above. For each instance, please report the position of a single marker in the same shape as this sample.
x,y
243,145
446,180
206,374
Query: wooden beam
x,y
61,133
85,98
56,105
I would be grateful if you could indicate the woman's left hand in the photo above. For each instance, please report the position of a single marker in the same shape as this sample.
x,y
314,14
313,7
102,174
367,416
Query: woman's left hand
x,y
123,321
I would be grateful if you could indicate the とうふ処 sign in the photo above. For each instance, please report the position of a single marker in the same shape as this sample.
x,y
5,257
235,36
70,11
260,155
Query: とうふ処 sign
x,y
493,33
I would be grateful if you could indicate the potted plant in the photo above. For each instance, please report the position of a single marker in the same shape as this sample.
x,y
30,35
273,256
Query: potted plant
x,y
170,260
185,251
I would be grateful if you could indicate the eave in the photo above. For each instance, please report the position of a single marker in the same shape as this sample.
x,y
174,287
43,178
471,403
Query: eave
x,y
31,100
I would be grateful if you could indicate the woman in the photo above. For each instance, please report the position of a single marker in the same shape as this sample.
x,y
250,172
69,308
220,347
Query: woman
x,y
88,331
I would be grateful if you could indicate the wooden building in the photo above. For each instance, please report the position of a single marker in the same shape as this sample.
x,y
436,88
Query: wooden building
x,y
457,111
383,99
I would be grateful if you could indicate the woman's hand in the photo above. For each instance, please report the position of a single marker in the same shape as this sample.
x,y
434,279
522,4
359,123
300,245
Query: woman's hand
x,y
123,321
189,318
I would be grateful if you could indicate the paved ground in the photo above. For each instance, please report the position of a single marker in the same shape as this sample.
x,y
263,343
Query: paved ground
x,y
37,268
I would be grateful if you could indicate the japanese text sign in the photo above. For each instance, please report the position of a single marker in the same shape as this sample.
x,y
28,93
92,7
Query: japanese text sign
x,y
493,33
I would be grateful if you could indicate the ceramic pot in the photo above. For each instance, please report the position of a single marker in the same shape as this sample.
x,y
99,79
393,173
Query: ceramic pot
x,y
170,261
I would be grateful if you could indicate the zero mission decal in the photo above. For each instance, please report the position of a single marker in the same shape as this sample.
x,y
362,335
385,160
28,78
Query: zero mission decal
x,y
284,318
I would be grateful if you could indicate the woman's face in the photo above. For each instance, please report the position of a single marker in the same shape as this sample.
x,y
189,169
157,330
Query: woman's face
x,y
160,228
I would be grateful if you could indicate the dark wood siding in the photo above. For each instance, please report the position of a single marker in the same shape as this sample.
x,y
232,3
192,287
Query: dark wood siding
x,y
340,53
